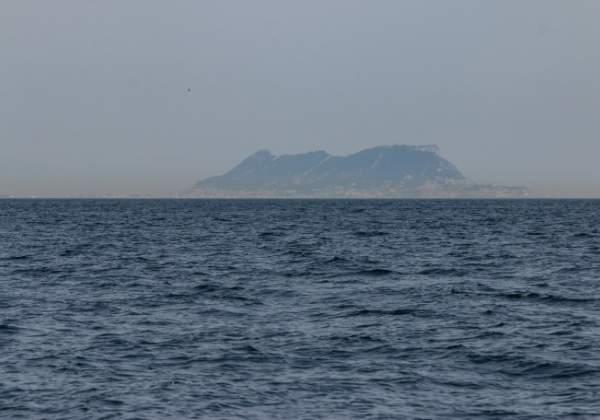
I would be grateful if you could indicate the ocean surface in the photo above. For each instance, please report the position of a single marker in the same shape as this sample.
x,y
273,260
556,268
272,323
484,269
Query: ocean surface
x,y
299,309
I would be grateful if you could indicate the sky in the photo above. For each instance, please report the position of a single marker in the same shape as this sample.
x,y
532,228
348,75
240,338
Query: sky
x,y
123,97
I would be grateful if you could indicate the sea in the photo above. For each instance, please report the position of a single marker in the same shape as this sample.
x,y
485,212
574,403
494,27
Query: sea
x,y
299,309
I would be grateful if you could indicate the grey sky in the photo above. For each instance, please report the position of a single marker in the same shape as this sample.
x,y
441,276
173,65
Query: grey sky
x,y
94,94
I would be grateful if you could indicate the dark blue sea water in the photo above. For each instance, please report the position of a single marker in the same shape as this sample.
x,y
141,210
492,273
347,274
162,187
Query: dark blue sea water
x,y
184,309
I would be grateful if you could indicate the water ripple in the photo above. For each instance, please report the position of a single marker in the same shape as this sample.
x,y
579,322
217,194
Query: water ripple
x,y
156,309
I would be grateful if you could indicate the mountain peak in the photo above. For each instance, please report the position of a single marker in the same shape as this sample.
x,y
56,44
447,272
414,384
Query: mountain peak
x,y
261,154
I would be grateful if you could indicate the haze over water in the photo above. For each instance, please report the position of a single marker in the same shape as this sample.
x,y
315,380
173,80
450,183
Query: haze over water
x,y
147,97
248,309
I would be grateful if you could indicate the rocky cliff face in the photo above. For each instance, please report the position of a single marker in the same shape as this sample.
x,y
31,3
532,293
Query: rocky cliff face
x,y
385,171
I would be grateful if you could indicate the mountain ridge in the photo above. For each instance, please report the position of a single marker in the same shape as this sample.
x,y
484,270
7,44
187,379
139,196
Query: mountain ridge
x,y
395,171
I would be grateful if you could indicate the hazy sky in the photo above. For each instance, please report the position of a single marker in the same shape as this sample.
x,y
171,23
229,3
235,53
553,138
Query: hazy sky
x,y
94,94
